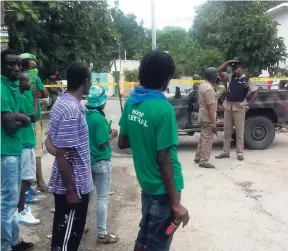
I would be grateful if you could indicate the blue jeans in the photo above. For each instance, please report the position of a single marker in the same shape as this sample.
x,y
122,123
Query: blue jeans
x,y
10,192
157,215
101,173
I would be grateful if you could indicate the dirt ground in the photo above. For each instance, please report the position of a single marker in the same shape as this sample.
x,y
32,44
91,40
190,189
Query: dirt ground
x,y
238,206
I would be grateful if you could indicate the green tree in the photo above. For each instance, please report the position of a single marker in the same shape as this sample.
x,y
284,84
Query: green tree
x,y
131,76
241,30
131,35
170,37
61,32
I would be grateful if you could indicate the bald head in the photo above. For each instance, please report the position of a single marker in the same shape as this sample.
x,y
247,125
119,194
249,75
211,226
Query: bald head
x,y
24,82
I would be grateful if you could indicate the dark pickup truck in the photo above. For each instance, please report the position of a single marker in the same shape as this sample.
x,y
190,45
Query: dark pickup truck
x,y
268,113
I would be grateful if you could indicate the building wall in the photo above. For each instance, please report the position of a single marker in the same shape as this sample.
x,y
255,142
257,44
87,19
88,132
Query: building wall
x,y
282,18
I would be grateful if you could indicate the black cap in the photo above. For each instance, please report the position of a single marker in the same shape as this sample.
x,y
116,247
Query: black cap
x,y
236,64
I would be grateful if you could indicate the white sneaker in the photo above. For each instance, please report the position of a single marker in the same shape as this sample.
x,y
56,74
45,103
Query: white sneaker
x,y
26,217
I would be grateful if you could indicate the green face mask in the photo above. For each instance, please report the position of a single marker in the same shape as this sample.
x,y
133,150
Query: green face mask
x,y
33,73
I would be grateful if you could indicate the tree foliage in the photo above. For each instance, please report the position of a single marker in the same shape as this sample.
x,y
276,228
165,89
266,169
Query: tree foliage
x,y
131,76
241,30
64,31
59,32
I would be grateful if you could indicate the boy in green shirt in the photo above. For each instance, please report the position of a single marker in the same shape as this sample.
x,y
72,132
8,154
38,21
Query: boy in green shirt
x,y
148,126
29,66
12,119
28,159
99,136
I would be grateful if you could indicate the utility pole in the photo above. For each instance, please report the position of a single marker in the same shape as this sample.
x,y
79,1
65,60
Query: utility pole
x,y
153,24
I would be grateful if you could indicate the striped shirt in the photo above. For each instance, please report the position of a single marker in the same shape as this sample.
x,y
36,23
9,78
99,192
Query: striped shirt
x,y
68,129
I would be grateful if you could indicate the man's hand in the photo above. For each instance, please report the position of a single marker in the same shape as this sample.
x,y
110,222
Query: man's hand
x,y
35,94
214,128
72,198
233,61
114,133
181,215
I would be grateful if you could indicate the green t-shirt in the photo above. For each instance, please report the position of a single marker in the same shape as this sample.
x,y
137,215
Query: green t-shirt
x,y
151,126
29,95
10,102
27,134
98,135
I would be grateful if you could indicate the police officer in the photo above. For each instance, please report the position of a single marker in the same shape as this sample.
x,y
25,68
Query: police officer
x,y
235,106
207,117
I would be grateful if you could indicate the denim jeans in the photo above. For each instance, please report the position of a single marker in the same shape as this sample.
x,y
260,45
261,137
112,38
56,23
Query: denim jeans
x,y
101,173
10,192
157,215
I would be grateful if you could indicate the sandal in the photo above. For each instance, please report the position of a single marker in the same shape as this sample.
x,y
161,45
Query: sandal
x,y
108,239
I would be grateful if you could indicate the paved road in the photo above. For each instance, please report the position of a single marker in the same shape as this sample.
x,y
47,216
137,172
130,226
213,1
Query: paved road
x,y
238,206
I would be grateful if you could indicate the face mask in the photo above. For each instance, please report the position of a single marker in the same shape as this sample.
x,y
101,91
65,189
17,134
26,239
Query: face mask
x,y
32,74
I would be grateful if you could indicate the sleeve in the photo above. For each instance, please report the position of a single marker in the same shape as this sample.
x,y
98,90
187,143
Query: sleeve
x,y
102,132
5,107
123,121
252,87
68,133
220,89
39,84
209,96
26,106
226,77
166,129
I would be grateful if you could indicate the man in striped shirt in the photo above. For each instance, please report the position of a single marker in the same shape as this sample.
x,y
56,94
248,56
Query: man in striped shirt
x,y
71,180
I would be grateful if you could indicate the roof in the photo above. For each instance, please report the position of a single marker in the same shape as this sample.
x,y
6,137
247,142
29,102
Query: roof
x,y
278,8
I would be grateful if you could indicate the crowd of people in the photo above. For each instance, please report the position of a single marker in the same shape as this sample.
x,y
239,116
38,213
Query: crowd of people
x,y
80,141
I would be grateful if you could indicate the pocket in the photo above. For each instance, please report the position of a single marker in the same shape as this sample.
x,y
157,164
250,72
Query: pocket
x,y
102,166
161,207
9,166
9,160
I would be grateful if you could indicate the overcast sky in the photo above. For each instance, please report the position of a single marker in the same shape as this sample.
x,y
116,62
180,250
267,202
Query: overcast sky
x,y
168,12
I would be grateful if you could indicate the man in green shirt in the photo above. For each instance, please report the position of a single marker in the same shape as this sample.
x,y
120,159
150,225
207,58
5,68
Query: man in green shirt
x,y
148,126
29,66
12,119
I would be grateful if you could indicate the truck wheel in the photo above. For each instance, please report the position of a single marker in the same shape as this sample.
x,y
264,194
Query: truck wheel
x,y
259,133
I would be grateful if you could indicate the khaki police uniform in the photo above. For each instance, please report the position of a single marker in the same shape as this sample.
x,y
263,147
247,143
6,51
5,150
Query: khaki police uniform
x,y
207,96
234,115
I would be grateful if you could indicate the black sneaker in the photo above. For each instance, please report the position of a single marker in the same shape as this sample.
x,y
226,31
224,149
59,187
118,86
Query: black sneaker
x,y
206,165
222,156
240,157
23,246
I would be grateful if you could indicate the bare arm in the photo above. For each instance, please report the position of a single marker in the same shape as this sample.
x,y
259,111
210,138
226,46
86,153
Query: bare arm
x,y
167,173
212,113
65,169
50,147
181,214
253,98
123,142
14,121
225,65
44,93
35,106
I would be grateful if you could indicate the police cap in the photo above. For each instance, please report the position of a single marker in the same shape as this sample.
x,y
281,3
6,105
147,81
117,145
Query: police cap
x,y
236,64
